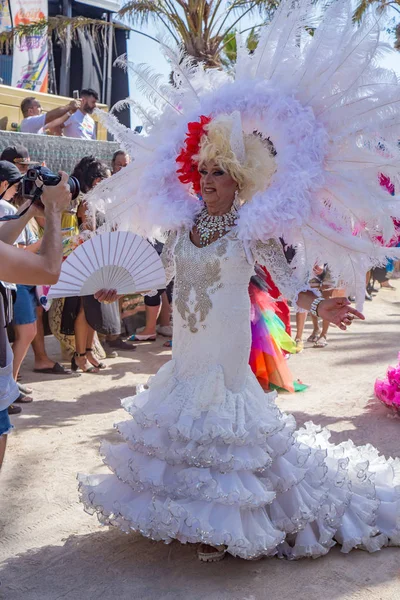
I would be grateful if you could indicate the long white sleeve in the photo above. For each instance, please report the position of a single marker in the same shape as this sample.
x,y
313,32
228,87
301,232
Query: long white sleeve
x,y
167,256
271,256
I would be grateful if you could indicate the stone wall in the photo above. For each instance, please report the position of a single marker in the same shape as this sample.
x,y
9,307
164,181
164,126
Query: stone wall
x,y
59,153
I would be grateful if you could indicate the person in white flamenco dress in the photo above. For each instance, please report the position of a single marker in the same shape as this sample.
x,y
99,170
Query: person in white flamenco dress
x,y
207,458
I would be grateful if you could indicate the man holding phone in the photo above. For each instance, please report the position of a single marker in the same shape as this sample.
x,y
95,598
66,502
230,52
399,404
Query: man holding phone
x,y
80,124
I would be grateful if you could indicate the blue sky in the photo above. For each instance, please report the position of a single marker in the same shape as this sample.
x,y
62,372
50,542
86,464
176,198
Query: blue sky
x,y
144,50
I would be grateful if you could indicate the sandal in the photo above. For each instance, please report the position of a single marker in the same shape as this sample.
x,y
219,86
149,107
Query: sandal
x,y
24,389
215,556
136,337
14,410
75,367
388,286
56,369
313,337
99,365
23,399
299,346
120,345
322,342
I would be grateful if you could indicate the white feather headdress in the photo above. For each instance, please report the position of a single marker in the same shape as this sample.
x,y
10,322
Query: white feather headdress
x,y
332,114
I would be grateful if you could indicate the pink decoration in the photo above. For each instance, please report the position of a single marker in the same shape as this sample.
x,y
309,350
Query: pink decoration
x,y
388,390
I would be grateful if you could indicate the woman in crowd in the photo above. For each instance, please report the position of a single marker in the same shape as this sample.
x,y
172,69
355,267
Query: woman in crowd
x,y
81,317
158,313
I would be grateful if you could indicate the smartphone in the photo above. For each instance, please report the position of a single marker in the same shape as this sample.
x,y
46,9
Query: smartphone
x,y
75,94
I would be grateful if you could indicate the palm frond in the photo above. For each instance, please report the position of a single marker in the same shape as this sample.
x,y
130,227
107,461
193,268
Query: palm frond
x,y
139,12
59,25
363,6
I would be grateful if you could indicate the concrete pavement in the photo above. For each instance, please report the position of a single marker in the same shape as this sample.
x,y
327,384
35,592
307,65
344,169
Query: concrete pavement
x,y
51,550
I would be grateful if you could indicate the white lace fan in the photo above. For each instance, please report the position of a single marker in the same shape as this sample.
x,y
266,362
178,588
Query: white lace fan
x,y
119,260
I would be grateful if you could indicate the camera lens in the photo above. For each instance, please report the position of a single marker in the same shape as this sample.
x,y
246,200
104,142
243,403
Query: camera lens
x,y
74,187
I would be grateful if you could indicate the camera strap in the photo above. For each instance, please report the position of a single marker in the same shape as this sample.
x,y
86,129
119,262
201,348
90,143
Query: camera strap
x,y
37,195
10,184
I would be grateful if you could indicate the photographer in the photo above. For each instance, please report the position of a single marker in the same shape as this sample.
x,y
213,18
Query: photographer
x,y
19,266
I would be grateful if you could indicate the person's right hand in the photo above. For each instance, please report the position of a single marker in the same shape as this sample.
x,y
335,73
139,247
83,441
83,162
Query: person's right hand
x,y
57,198
107,296
74,105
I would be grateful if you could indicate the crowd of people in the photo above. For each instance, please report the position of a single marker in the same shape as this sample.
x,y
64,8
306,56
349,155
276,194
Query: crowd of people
x,y
87,330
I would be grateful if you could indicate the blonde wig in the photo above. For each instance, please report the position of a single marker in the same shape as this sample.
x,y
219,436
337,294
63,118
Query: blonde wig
x,y
255,174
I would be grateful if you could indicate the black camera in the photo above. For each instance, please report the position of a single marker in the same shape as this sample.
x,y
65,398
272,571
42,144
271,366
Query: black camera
x,y
47,177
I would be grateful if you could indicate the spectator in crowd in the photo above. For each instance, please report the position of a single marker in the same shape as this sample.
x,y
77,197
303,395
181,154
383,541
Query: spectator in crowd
x,y
9,180
24,321
28,268
42,362
18,155
158,313
35,121
119,160
82,317
80,124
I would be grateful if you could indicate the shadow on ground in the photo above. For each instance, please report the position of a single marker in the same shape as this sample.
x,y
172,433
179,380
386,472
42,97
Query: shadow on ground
x,y
108,565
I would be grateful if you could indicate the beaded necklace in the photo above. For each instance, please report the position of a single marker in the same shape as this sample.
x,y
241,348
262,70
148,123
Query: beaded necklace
x,y
208,225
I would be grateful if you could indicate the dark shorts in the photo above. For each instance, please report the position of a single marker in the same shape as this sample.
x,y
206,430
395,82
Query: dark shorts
x,y
25,305
156,299
5,423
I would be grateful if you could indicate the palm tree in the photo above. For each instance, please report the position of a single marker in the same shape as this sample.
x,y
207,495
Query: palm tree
x,y
201,27
229,47
380,5
364,5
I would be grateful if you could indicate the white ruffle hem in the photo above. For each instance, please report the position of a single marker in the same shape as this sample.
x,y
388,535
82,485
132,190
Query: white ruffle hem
x,y
201,463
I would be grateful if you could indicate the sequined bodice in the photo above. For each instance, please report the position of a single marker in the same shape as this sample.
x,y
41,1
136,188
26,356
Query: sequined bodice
x,y
205,277
211,305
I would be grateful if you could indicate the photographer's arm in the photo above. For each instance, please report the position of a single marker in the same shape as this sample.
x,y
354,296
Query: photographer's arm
x,y
19,266
10,230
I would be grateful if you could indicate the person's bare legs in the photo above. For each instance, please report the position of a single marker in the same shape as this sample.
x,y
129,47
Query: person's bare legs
x,y
82,335
3,444
316,332
322,340
151,320
42,361
24,335
164,318
301,318
328,293
89,344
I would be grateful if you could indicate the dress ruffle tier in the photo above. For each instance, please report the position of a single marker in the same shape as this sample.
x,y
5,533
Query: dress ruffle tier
x,y
200,463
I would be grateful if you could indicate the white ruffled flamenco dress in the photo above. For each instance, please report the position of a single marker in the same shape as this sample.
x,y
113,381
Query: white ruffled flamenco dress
x,y
207,455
